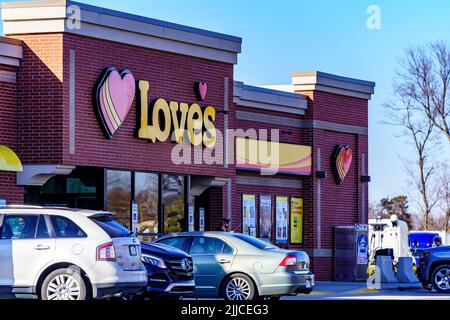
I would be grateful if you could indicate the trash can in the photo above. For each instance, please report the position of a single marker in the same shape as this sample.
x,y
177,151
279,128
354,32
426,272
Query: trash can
x,y
350,253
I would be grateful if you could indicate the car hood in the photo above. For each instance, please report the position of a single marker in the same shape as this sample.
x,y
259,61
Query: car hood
x,y
162,250
437,249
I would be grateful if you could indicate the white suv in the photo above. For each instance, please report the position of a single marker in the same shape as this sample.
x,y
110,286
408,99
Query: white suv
x,y
67,254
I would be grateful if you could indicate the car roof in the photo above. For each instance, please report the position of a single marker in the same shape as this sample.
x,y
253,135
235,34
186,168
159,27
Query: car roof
x,y
23,209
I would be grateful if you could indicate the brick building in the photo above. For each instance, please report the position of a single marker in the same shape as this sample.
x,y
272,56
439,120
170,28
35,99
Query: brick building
x,y
81,143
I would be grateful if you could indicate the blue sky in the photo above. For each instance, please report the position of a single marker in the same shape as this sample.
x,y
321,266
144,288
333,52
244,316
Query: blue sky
x,y
283,36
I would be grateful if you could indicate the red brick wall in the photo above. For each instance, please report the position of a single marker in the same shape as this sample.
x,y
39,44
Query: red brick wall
x,y
40,99
340,204
171,76
8,129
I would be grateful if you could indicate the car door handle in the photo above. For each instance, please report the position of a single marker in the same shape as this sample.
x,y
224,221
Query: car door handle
x,y
41,247
224,261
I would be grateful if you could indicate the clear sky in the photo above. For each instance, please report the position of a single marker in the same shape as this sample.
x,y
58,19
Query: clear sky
x,y
283,36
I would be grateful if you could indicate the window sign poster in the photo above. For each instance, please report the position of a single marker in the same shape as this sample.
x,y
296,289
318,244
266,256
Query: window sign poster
x,y
296,220
191,219
265,217
134,216
249,214
362,249
281,220
202,219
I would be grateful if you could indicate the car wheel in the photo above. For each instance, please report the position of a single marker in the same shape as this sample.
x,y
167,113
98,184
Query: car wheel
x,y
64,284
441,279
239,287
307,291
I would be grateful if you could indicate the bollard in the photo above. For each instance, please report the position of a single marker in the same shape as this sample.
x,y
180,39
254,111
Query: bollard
x,y
386,267
405,271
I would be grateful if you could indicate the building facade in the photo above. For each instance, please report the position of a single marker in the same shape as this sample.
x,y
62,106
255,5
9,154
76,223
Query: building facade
x,y
106,110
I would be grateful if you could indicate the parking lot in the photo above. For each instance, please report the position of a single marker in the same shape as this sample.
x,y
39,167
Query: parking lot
x,y
359,291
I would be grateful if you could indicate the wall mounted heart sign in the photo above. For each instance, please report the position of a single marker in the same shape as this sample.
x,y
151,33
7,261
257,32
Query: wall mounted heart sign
x,y
341,162
114,94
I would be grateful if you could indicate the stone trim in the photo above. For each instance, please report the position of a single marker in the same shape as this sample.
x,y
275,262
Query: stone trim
x,y
51,16
269,182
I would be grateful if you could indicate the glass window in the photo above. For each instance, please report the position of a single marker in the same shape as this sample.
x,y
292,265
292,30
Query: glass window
x,y
173,202
146,194
65,228
42,230
177,242
204,245
111,227
260,244
227,249
118,185
81,185
19,227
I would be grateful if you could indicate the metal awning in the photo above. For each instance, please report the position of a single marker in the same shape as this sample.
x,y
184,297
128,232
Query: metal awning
x,y
9,161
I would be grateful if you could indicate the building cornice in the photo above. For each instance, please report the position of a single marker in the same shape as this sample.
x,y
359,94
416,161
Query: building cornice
x,y
52,16
268,99
11,52
325,82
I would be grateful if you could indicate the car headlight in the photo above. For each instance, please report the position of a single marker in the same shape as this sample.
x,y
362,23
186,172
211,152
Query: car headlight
x,y
153,261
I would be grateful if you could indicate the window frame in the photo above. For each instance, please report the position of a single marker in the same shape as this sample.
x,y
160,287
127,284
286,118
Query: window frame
x,y
51,234
211,254
20,215
186,244
54,231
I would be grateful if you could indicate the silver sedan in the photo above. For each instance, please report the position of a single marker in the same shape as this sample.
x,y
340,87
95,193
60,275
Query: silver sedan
x,y
239,267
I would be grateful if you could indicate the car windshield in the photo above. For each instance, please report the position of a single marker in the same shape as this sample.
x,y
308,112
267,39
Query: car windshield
x,y
111,227
260,244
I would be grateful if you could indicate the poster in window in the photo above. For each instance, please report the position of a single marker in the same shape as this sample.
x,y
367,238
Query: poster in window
x,y
202,219
265,217
281,234
249,215
296,220
134,216
191,219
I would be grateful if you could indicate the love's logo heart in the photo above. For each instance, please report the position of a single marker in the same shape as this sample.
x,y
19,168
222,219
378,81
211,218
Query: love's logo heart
x,y
342,162
113,97
201,89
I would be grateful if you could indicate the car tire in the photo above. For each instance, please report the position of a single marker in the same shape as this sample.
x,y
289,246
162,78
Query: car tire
x,y
238,287
441,278
64,284
307,291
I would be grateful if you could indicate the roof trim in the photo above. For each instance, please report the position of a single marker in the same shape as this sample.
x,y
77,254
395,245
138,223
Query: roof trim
x,y
268,99
51,16
326,82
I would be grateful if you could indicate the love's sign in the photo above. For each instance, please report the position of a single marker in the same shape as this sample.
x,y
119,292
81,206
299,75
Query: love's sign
x,y
114,95
341,162
166,118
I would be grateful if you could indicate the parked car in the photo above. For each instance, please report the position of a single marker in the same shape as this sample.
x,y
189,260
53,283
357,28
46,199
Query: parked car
x,y
170,271
67,254
434,269
240,267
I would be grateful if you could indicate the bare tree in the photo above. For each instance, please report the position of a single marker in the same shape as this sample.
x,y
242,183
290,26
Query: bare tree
x,y
406,112
444,196
425,74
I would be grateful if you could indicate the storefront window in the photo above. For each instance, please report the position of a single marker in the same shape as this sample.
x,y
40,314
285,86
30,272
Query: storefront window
x,y
173,202
118,185
146,195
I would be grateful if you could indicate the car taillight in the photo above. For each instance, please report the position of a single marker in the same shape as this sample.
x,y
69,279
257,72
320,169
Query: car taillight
x,y
289,261
106,252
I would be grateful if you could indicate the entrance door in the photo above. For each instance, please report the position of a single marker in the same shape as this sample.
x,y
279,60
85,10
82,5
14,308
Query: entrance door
x,y
212,261
32,248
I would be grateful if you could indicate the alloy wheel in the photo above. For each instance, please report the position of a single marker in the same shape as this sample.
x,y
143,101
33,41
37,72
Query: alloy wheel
x,y
442,279
238,289
63,287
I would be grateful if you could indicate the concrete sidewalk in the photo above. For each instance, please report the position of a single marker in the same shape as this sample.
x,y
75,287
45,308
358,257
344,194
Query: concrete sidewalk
x,y
331,287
